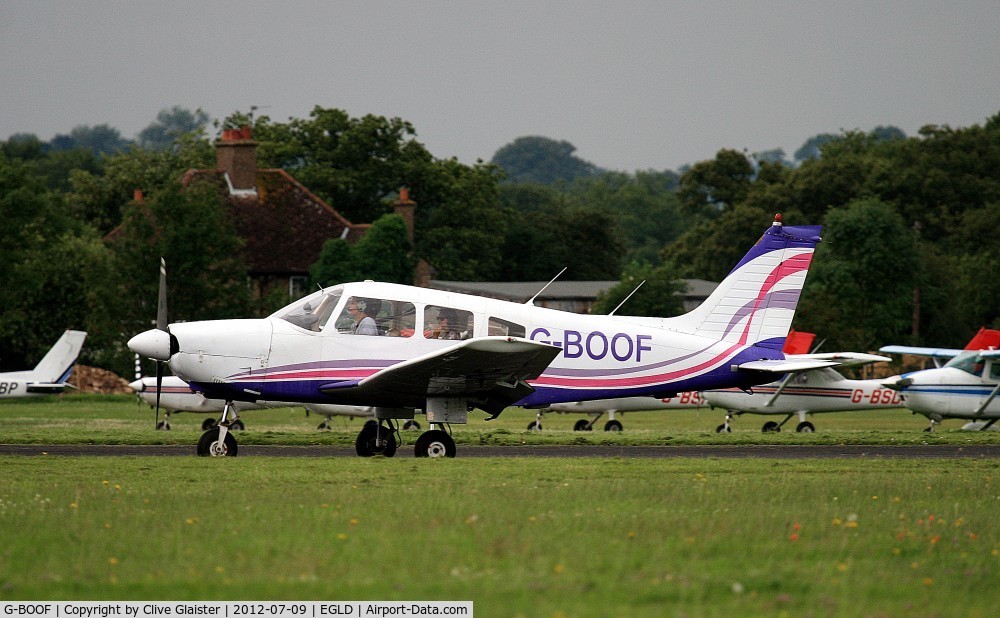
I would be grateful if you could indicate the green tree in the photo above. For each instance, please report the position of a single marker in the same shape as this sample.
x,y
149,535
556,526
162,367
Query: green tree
x,y
710,187
189,228
99,196
99,139
711,249
383,254
170,125
860,287
661,294
536,159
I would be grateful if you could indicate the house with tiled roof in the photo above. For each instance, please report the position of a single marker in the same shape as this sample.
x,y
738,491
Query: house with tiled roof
x,y
282,223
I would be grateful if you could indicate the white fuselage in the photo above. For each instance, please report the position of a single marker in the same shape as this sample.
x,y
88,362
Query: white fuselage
x,y
816,391
949,392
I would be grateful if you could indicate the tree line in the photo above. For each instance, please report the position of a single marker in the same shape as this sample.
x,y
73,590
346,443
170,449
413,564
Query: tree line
x,y
910,225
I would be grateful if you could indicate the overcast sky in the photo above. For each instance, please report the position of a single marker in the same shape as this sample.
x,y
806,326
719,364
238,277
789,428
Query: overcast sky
x,y
633,85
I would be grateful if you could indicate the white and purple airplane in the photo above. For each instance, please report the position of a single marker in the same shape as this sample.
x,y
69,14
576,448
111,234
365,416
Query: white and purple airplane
x,y
443,354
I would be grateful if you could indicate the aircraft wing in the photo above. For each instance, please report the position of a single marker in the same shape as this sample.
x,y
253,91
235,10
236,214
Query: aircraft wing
x,y
919,351
489,369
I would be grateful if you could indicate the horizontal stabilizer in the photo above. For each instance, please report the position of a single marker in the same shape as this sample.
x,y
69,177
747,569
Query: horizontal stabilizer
x,y
786,366
842,358
46,389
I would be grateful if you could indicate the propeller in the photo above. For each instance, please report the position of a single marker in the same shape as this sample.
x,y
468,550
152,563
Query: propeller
x,y
161,324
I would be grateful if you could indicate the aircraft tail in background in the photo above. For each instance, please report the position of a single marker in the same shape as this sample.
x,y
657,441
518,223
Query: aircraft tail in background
x,y
55,366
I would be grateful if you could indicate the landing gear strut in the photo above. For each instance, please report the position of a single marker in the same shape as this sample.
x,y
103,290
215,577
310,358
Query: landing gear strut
x,y
219,441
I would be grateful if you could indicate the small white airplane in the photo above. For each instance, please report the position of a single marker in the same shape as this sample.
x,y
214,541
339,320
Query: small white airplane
x,y
965,387
688,400
443,353
177,396
50,374
807,392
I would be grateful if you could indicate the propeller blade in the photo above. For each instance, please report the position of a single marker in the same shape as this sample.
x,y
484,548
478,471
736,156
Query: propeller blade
x,y
161,306
159,384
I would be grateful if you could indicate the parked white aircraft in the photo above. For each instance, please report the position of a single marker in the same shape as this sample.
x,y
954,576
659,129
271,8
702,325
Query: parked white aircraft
x,y
965,387
50,374
688,400
808,392
444,353
176,396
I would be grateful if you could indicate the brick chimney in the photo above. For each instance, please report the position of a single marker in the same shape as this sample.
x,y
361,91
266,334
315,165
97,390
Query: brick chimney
x,y
236,154
404,207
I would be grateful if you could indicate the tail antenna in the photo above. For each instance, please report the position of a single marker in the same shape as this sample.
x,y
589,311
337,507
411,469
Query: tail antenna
x,y
627,297
531,300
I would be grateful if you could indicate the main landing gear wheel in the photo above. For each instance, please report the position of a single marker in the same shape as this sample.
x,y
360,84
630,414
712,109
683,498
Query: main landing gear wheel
x,y
805,427
771,427
163,425
583,425
534,426
209,446
435,443
612,426
723,428
375,440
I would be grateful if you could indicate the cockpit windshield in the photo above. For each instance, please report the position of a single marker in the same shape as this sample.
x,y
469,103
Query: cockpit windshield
x,y
969,362
313,311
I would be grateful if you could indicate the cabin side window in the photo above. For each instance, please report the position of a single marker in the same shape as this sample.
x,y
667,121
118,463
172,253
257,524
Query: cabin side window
x,y
995,369
969,362
377,316
503,328
447,323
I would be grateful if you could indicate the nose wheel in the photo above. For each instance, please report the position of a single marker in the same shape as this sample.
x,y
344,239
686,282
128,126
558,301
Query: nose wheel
x,y
219,441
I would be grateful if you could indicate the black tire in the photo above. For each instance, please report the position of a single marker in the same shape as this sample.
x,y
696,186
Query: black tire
x,y
366,444
208,444
770,427
582,425
722,429
411,425
434,443
612,426
534,426
164,425
237,426
805,427
208,423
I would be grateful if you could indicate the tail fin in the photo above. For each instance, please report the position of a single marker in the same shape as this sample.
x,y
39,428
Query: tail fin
x,y
59,360
985,339
756,301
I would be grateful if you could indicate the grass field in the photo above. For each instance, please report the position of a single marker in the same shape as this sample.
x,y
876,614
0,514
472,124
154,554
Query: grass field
x,y
518,536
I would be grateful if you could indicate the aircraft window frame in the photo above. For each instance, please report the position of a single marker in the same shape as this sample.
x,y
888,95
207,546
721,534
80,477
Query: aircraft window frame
x,y
311,312
463,327
394,318
995,369
500,327
969,362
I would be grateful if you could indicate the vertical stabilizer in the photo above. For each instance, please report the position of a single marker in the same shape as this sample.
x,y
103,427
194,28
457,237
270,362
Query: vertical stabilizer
x,y
55,366
756,302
